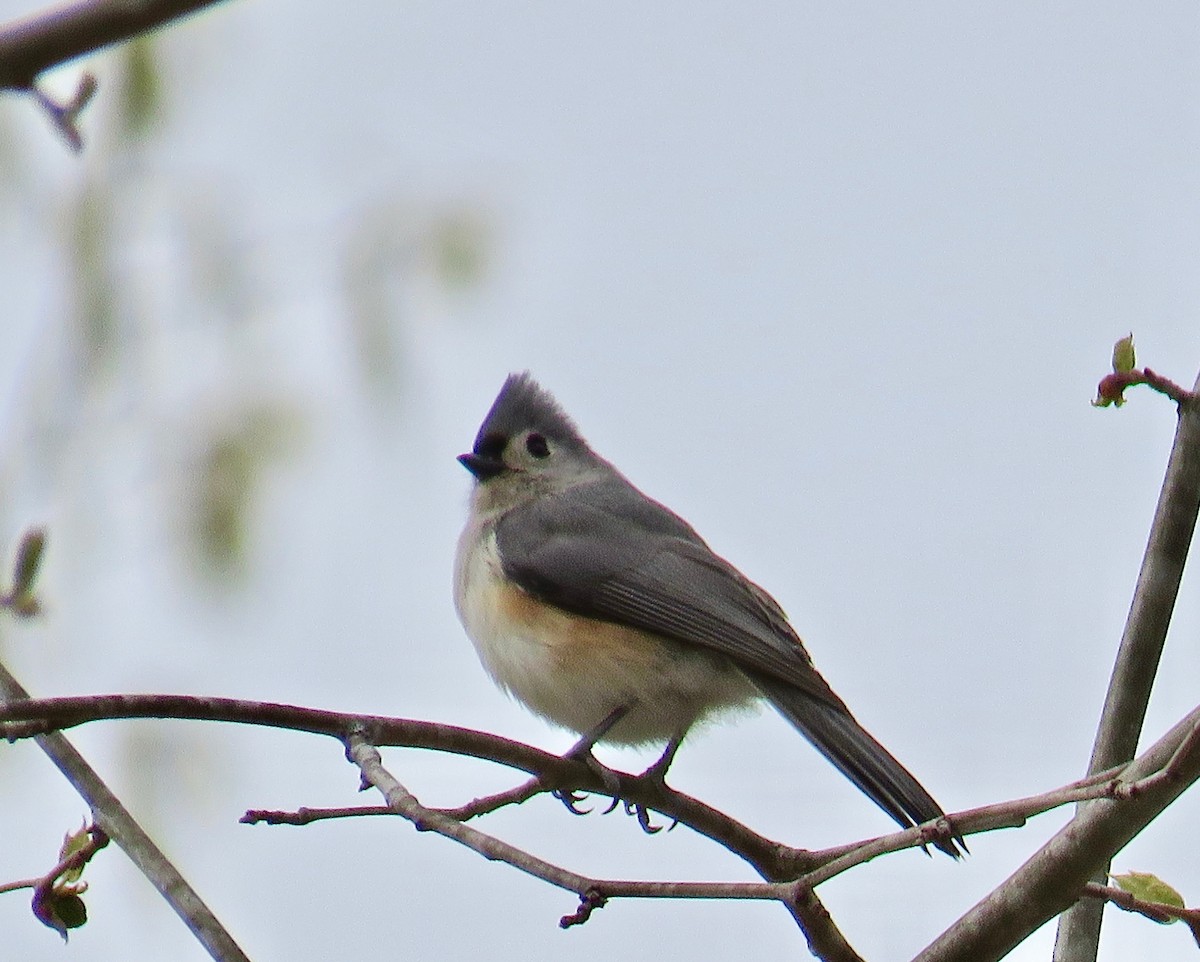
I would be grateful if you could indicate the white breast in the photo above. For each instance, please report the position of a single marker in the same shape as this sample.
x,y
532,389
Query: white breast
x,y
574,671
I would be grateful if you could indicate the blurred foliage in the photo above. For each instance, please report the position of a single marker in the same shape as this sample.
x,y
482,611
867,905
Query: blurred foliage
x,y
89,224
213,258
14,165
141,265
388,256
169,770
459,240
92,281
227,484
140,90
376,258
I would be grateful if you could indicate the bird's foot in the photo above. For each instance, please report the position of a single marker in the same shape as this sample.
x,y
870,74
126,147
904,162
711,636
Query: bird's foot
x,y
571,800
654,777
611,780
642,814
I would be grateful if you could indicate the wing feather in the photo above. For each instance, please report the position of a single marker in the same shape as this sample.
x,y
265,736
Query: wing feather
x,y
606,551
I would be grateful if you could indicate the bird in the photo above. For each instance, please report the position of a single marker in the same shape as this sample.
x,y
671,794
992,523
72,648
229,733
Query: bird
x,y
605,613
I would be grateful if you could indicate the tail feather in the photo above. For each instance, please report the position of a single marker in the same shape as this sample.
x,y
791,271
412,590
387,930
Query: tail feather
x,y
835,733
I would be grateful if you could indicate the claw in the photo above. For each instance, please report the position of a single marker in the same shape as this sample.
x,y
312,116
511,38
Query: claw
x,y
571,800
643,817
642,814
610,779
655,775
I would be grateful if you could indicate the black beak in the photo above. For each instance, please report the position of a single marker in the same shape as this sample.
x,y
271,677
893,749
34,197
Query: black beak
x,y
483,468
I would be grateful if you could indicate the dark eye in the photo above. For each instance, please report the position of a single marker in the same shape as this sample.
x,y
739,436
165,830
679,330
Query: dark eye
x,y
536,445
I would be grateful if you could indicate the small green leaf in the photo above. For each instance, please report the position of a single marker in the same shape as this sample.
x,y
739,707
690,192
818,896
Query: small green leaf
x,y
60,911
71,910
1124,359
73,842
1149,888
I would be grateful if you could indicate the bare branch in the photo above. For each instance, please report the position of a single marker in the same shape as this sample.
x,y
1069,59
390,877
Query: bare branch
x,y
1143,639
492,803
43,40
974,821
823,937
771,859
1170,772
1055,877
1134,795
825,940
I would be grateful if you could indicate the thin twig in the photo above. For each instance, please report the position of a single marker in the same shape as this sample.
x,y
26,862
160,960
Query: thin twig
x,y
1112,386
1169,772
65,117
75,860
401,801
115,820
1156,911
306,816
491,803
973,821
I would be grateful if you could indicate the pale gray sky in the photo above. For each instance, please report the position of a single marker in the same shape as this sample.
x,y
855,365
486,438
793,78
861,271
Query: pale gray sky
x,y
836,282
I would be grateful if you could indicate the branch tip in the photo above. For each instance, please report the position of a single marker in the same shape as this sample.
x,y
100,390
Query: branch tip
x,y
589,901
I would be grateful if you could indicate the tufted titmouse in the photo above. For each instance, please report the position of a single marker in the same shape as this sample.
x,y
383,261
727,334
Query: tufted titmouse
x,y
607,614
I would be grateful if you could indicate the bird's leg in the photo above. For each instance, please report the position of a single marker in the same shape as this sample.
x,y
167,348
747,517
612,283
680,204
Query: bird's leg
x,y
583,748
656,775
581,751
657,772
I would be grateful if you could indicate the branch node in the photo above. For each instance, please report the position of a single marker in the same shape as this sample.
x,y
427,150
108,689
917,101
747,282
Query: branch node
x,y
65,116
589,901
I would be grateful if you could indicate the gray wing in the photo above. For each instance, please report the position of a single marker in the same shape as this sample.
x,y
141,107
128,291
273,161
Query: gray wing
x,y
606,551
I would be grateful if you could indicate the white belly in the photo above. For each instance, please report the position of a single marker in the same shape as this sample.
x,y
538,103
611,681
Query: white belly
x,y
575,671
